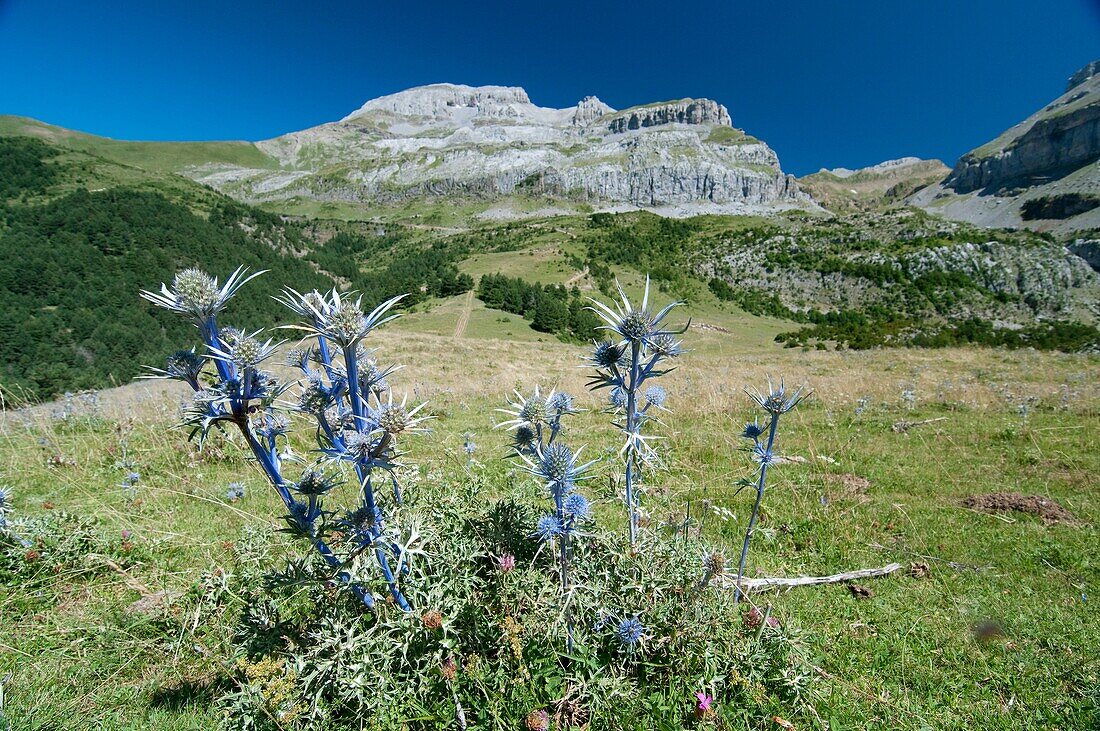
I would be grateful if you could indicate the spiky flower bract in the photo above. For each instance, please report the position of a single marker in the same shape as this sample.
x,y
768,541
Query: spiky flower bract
x,y
629,632
641,342
775,401
339,378
196,294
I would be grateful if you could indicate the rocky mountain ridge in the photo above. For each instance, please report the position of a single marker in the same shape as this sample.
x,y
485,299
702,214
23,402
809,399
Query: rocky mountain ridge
x,y
680,157
1019,178
844,190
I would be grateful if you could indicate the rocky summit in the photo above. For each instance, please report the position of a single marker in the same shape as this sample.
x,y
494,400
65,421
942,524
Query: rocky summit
x,y
1043,173
678,157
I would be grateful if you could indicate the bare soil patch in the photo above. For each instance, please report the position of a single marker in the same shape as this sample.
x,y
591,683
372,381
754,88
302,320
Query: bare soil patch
x,y
1006,502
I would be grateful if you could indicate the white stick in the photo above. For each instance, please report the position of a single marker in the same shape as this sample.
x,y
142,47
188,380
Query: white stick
x,y
780,582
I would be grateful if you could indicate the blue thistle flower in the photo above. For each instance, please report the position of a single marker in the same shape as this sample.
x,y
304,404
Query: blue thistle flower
x,y
629,632
5,499
315,482
633,324
617,397
524,438
560,403
777,401
235,492
196,294
752,430
548,528
607,355
656,396
577,506
131,479
185,365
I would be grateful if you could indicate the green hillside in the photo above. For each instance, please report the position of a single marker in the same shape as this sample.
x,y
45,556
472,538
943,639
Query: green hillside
x,y
151,156
74,255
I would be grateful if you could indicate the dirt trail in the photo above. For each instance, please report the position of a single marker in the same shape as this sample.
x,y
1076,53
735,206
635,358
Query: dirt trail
x,y
576,277
464,318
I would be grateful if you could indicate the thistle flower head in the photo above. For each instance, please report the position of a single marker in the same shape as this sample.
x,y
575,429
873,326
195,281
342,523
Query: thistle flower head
x,y
361,446
531,411
394,418
557,466
524,438
5,499
667,345
577,506
315,482
777,400
618,397
752,430
315,397
184,365
633,324
548,527
559,403
629,632
196,294
556,462
336,316
607,354
244,351
656,396
299,358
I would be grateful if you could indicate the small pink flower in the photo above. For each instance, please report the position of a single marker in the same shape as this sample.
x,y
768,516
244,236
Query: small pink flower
x,y
506,562
704,702
773,622
126,535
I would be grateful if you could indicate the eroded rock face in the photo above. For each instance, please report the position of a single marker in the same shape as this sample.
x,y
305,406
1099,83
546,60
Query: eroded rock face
x,y
1051,148
447,139
685,111
1053,153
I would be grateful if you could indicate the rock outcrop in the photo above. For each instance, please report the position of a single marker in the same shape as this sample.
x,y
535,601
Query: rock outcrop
x,y
685,111
1052,153
680,158
844,190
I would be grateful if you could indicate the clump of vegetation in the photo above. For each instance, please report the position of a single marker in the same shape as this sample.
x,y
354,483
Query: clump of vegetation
x,y
1058,207
551,308
345,392
470,629
640,344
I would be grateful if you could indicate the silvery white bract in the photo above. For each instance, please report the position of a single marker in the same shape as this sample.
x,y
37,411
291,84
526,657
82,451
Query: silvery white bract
x,y
358,419
640,343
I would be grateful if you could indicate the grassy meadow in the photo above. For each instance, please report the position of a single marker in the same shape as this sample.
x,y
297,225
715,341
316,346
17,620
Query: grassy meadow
x,y
995,627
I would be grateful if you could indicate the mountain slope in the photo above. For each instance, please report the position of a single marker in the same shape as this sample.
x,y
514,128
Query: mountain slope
x,y
680,157
80,235
1043,173
843,190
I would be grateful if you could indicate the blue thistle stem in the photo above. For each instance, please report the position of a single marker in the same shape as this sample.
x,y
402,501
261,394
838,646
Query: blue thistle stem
x,y
563,545
271,469
368,490
760,484
632,428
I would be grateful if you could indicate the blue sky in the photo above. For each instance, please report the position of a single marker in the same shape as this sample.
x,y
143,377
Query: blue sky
x,y
844,83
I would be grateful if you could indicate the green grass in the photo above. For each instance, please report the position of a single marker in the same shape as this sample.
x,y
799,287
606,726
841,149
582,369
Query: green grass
x,y
906,658
152,156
